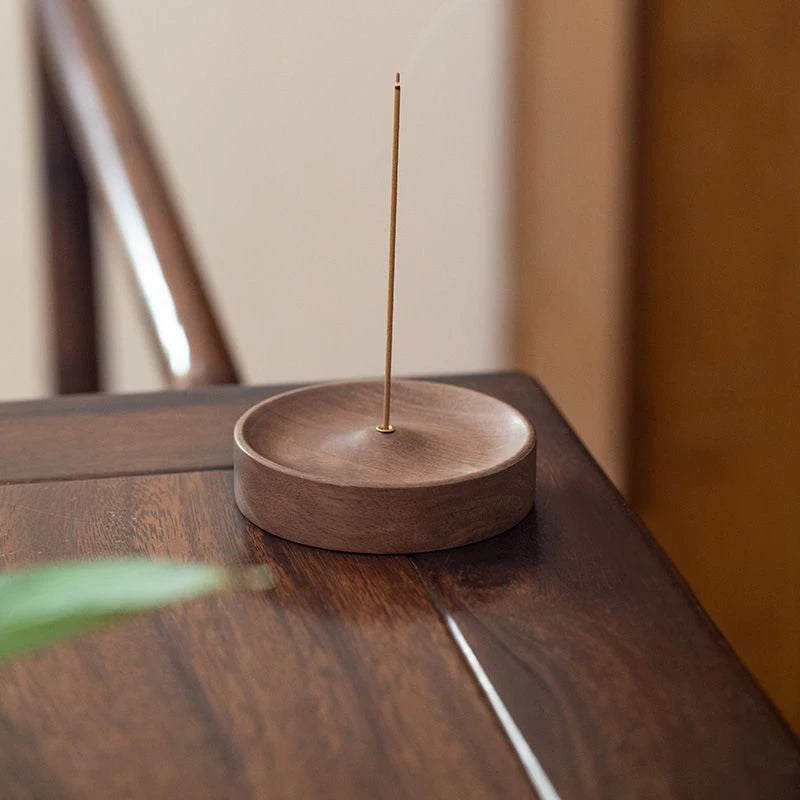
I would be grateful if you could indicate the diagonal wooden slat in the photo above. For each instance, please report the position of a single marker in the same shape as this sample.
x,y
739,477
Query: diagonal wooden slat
x,y
120,168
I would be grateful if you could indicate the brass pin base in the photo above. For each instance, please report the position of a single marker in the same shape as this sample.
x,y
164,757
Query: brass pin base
x,y
382,429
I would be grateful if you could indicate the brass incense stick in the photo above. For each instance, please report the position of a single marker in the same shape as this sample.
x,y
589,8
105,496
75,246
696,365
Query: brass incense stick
x,y
385,426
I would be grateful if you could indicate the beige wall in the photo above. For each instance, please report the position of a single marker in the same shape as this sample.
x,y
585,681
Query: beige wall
x,y
274,123
22,354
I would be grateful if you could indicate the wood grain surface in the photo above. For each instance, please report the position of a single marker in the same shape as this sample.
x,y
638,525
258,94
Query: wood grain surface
x,y
340,683
95,435
616,677
359,676
716,454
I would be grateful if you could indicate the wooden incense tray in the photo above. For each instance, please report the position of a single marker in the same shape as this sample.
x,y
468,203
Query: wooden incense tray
x,y
310,466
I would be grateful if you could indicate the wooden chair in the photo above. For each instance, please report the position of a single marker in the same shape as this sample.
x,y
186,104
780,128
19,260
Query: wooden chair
x,y
95,148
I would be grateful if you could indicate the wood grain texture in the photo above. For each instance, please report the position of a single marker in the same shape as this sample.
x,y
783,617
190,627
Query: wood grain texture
x,y
310,465
617,679
614,676
84,436
342,682
71,297
121,170
717,444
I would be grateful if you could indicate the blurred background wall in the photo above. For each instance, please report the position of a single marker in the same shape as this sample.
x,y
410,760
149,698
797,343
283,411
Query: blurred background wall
x,y
715,461
604,193
273,125
23,369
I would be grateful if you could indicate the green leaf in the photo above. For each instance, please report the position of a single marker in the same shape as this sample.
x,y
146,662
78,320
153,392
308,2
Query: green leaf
x,y
45,604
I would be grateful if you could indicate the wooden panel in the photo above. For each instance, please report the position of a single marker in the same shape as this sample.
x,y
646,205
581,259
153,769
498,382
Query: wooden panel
x,y
126,434
74,348
717,444
572,136
340,683
611,670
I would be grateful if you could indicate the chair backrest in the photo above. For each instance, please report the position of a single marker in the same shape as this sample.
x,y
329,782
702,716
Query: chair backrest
x,y
95,147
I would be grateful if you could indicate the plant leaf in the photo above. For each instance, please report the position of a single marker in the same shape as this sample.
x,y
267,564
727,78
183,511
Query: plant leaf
x,y
43,604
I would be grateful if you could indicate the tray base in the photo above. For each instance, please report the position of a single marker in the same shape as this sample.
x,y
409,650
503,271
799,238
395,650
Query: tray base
x,y
310,466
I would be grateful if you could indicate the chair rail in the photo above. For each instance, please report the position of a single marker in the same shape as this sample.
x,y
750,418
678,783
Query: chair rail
x,y
79,74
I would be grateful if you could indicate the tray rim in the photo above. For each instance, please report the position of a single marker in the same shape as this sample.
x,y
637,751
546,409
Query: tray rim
x,y
521,453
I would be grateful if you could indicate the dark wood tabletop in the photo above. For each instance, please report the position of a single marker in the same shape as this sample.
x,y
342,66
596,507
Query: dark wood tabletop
x,y
565,658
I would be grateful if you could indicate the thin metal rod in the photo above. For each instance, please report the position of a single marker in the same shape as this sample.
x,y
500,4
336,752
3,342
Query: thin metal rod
x,y
385,426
